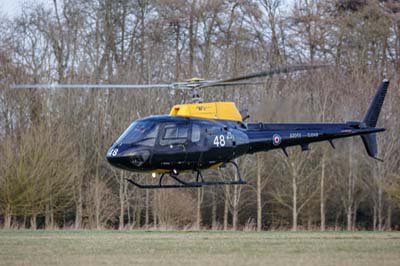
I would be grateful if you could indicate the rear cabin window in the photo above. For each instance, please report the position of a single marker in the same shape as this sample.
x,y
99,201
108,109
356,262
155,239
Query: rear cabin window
x,y
196,133
174,134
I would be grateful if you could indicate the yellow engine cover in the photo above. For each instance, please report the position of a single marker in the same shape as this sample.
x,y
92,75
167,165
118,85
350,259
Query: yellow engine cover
x,y
213,110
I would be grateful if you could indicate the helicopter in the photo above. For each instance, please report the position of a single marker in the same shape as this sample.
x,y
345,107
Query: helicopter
x,y
203,135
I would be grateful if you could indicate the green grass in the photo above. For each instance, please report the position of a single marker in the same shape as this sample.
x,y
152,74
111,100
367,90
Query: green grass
x,y
198,248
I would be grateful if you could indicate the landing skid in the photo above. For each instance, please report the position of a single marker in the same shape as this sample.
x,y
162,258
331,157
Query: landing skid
x,y
200,180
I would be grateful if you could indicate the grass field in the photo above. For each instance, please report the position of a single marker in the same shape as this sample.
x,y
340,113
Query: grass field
x,y
198,248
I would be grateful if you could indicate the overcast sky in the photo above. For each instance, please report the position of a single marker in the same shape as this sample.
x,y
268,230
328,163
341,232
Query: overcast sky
x,y
12,7
7,7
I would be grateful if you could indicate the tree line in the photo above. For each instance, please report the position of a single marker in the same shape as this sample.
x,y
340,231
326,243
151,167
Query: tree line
x,y
53,172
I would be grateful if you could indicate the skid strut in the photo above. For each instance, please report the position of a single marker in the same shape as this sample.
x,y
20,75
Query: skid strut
x,y
200,180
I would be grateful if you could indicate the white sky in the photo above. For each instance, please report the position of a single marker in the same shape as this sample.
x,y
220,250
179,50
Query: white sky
x,y
12,7
7,7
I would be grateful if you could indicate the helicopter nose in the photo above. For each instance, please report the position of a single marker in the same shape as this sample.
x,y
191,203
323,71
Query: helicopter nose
x,y
112,156
138,158
130,158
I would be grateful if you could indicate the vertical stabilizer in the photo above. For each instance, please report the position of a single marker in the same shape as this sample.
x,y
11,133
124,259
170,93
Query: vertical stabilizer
x,y
371,118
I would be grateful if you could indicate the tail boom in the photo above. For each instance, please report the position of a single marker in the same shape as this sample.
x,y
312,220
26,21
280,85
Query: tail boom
x,y
268,136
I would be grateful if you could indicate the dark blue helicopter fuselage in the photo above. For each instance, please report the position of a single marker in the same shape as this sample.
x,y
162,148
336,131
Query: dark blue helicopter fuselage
x,y
167,143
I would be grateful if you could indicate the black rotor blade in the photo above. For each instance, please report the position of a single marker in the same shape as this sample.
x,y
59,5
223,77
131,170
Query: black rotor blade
x,y
92,86
178,85
236,83
270,72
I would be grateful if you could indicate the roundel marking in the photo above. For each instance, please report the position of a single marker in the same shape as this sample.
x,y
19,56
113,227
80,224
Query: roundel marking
x,y
276,139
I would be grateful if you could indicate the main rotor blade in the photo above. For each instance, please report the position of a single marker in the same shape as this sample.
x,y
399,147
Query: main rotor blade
x,y
270,72
236,83
178,85
92,86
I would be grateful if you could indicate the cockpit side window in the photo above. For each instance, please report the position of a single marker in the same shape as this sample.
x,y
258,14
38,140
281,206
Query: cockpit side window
x,y
183,132
170,133
174,134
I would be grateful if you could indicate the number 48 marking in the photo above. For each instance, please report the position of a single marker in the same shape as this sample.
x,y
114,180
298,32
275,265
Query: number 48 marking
x,y
219,141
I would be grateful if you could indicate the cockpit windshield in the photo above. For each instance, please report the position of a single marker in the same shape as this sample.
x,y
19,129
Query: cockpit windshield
x,y
140,132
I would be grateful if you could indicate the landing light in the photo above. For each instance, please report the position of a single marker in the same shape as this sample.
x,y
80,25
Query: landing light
x,y
153,175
